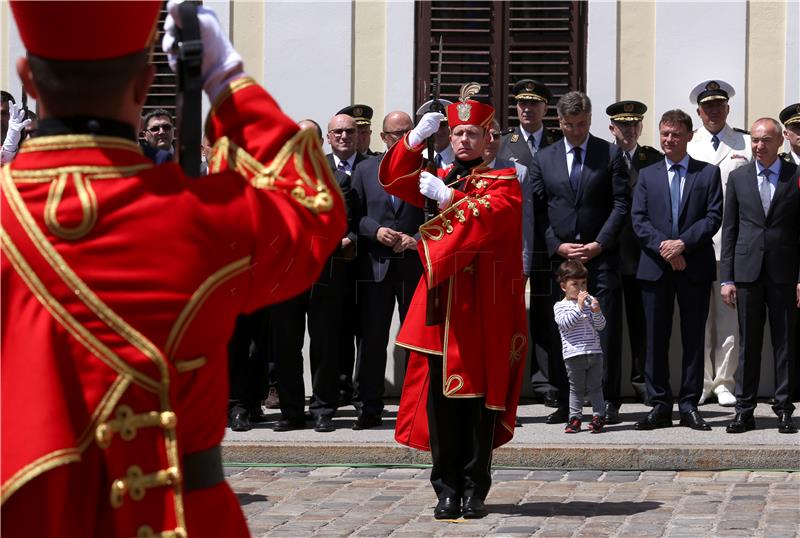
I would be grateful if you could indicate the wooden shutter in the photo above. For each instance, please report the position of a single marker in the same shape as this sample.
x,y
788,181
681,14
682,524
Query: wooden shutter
x,y
497,43
164,88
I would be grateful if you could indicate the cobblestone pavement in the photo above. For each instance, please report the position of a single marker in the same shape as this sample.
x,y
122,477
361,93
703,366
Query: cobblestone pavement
x,y
398,502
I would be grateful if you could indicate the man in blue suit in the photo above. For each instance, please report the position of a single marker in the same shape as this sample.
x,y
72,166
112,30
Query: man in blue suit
x,y
583,181
389,269
677,209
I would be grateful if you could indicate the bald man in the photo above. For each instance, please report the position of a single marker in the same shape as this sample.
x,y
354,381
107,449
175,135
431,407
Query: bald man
x,y
388,271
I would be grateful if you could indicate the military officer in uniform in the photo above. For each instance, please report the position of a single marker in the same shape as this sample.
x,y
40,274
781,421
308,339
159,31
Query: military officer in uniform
x,y
790,118
626,127
122,279
520,146
363,116
718,143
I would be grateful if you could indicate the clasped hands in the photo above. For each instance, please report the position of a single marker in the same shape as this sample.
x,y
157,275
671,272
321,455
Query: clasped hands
x,y
397,241
579,251
672,251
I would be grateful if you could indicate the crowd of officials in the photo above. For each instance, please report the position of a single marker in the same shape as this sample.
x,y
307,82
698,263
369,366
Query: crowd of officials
x,y
716,204
635,251
120,332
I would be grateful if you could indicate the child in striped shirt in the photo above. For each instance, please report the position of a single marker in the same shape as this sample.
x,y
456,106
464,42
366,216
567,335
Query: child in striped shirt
x,y
579,318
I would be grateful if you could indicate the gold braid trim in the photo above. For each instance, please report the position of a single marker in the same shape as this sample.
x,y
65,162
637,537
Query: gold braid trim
x,y
236,86
37,467
109,317
308,177
88,202
78,141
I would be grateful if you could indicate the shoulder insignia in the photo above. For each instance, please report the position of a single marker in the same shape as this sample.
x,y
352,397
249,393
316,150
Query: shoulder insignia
x,y
514,138
741,131
786,156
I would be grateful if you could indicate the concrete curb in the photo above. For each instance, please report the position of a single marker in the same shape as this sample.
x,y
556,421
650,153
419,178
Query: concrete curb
x,y
605,457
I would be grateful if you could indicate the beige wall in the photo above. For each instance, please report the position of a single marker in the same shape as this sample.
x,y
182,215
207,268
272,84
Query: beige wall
x,y
636,66
369,61
766,60
4,14
247,35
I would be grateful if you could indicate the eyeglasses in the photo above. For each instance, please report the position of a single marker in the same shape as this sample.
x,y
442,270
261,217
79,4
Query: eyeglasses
x,y
339,132
156,128
396,134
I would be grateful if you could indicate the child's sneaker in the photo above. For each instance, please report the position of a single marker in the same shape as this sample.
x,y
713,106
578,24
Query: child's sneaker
x,y
573,426
596,425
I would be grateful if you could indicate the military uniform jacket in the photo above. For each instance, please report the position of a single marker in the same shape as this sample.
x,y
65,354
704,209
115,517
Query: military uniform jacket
x,y
629,248
514,148
121,283
734,150
471,249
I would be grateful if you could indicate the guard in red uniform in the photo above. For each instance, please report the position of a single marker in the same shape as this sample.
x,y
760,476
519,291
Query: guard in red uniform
x,y
464,374
122,280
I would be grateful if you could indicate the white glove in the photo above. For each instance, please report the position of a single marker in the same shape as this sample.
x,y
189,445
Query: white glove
x,y
16,124
434,188
427,126
221,62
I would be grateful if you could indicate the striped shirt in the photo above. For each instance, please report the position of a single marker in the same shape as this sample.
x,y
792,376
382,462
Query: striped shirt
x,y
578,328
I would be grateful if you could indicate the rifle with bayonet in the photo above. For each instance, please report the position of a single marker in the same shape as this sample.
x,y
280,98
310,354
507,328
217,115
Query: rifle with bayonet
x,y
190,88
433,306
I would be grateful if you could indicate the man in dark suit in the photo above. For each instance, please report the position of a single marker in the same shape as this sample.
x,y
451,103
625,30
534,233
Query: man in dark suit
x,y
584,181
626,127
389,269
322,305
677,209
759,266
342,137
519,147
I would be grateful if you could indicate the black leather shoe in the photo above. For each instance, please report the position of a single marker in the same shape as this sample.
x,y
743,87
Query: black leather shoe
x,y
239,421
257,416
559,416
289,424
448,508
324,424
612,414
551,399
785,423
741,423
473,508
365,422
654,421
693,420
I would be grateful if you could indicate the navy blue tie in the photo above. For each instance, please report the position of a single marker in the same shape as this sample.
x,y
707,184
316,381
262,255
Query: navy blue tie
x,y
715,142
438,160
675,195
575,173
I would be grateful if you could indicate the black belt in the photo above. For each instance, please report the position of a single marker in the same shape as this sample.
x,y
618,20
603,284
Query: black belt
x,y
203,469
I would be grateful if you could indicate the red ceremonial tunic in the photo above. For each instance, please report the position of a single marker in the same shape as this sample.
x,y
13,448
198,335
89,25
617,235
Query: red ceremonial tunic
x,y
121,282
471,249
